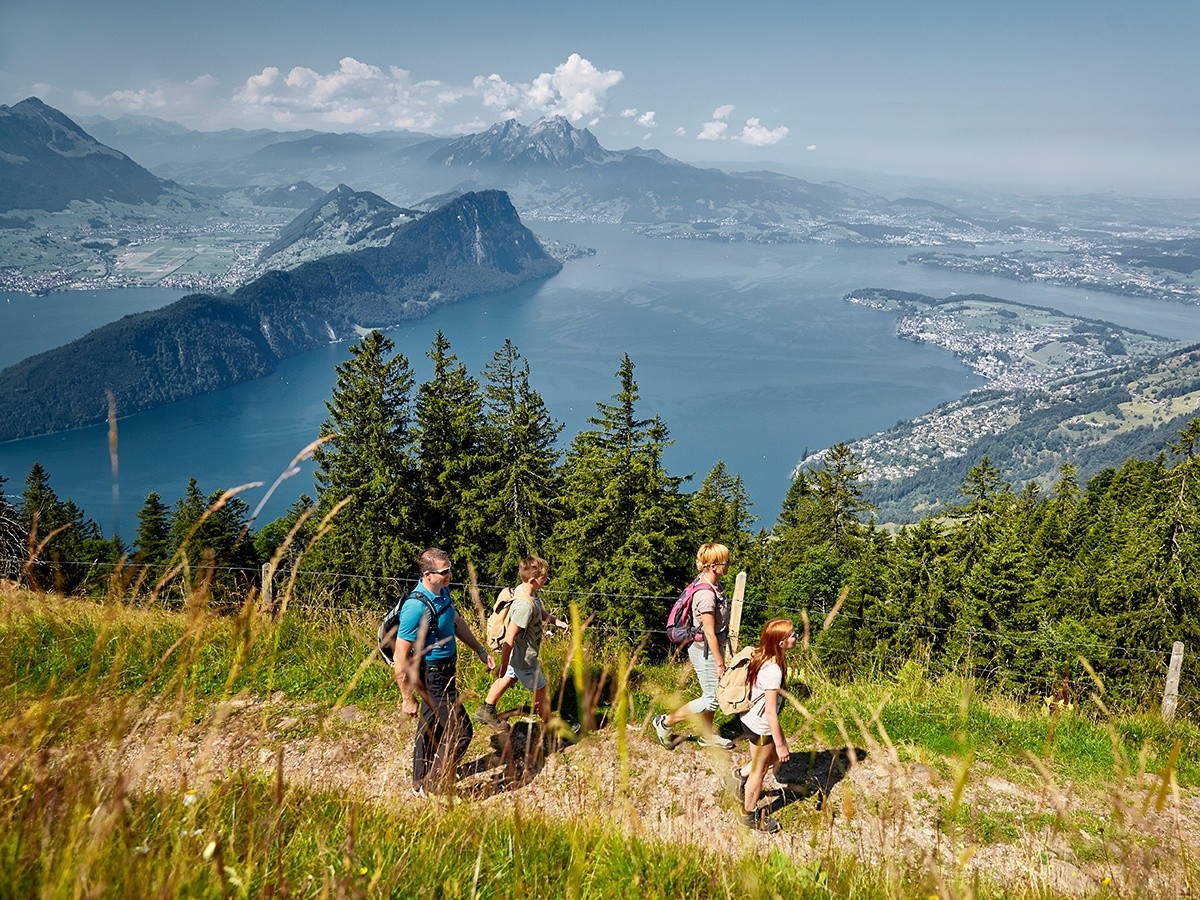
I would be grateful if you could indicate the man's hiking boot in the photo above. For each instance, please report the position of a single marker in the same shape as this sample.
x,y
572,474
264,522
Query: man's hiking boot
x,y
486,715
760,821
663,732
715,740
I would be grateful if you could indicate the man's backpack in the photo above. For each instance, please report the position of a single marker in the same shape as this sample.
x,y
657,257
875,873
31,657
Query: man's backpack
x,y
497,623
733,688
680,629
391,624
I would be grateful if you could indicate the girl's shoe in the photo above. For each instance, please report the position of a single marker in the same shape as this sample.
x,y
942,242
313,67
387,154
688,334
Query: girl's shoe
x,y
760,821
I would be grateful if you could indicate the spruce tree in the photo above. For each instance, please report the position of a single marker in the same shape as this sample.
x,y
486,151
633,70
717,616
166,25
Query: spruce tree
x,y
185,538
839,488
66,551
624,532
451,455
521,479
366,464
153,540
721,511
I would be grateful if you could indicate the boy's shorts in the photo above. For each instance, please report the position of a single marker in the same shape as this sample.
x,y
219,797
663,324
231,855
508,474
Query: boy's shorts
x,y
532,678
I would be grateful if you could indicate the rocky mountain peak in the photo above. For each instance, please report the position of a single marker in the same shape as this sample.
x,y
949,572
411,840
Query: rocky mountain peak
x,y
552,141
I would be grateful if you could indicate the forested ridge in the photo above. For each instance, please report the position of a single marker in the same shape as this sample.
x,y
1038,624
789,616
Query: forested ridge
x,y
475,244
1093,421
1014,586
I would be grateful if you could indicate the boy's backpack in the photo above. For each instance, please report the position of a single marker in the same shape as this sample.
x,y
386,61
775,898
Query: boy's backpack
x,y
391,624
733,688
497,623
680,629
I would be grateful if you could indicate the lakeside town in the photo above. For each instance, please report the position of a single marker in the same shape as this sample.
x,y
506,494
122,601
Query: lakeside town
x,y
1087,266
1024,352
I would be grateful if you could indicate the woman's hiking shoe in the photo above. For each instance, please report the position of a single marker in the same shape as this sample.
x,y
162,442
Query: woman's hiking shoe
x,y
486,715
739,785
760,821
663,732
715,740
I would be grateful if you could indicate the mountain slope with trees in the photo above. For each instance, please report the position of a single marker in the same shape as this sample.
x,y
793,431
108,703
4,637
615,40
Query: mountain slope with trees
x,y
473,245
47,162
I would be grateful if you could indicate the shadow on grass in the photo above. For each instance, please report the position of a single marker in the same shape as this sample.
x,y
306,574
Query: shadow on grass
x,y
516,757
817,772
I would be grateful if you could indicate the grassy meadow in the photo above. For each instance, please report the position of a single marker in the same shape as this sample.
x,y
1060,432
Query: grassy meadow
x,y
147,751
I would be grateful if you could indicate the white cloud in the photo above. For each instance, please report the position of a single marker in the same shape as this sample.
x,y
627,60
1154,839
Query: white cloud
x,y
164,99
646,119
757,135
721,113
628,113
681,132
575,89
712,131
811,147
367,97
355,94
495,92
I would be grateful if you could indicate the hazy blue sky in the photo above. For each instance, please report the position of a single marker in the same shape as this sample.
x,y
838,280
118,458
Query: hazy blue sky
x,y
1072,96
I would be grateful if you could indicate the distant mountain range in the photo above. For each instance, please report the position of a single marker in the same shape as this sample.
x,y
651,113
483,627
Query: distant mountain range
x,y
475,244
550,169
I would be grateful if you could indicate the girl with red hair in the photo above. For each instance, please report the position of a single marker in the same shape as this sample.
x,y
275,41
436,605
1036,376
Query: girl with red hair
x,y
767,675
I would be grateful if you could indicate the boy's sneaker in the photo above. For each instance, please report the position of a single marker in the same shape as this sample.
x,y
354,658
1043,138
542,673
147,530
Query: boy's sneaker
x,y
486,715
663,732
715,740
760,821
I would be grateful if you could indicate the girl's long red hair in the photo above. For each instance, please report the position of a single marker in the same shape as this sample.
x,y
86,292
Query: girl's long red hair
x,y
772,646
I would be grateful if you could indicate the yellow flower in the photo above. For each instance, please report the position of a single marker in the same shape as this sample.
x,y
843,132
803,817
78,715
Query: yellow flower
x,y
362,871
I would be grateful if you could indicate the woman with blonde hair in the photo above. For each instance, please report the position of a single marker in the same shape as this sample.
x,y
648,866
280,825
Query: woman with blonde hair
x,y
767,675
710,619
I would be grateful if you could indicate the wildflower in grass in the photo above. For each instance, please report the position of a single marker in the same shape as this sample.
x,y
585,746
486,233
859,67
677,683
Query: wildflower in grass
x,y
189,798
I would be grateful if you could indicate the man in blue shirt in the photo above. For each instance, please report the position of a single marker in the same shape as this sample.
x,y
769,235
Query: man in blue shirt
x,y
425,660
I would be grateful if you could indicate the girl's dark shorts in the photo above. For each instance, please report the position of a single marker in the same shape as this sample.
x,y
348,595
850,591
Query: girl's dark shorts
x,y
758,740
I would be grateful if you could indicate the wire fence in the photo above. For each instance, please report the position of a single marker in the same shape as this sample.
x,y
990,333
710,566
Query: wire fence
x,y
818,613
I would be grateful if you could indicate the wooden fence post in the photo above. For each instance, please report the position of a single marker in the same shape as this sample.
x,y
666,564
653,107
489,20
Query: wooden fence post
x,y
1171,693
735,611
266,593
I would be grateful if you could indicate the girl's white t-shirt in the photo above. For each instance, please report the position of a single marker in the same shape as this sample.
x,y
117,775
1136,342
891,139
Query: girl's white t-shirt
x,y
769,678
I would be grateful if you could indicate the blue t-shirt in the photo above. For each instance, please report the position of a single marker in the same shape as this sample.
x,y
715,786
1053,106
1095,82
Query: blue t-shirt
x,y
439,639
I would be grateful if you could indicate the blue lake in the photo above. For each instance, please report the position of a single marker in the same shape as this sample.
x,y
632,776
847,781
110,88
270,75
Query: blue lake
x,y
748,353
